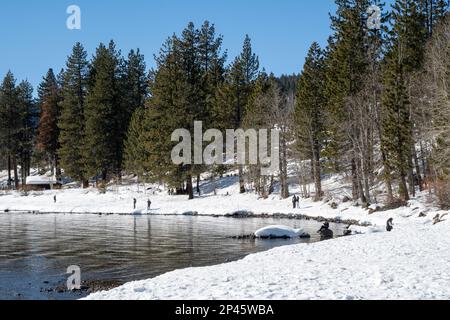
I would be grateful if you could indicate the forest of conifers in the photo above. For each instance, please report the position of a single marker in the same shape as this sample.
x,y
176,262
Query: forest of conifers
x,y
372,105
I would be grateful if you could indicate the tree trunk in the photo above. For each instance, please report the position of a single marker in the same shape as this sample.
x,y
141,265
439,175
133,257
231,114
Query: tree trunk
x,y
317,174
403,187
16,175
189,187
358,181
412,184
198,184
387,178
283,170
271,185
241,180
9,172
424,162
365,177
355,185
367,188
418,171
104,175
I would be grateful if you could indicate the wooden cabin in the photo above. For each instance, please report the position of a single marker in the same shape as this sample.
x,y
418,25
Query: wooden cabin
x,y
39,183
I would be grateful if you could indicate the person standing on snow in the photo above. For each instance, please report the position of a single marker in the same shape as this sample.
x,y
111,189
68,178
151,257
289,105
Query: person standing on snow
x,y
134,203
390,225
149,203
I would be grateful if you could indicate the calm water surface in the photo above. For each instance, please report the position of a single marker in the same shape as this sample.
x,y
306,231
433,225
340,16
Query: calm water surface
x,y
35,250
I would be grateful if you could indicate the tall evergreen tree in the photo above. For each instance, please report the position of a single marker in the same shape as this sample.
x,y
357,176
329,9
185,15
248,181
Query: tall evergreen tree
x,y
182,90
163,116
406,54
48,131
72,120
9,124
103,142
257,115
136,153
309,113
135,85
396,139
346,65
235,93
27,128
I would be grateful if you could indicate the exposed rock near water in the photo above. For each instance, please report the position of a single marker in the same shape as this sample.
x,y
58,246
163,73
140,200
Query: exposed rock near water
x,y
88,287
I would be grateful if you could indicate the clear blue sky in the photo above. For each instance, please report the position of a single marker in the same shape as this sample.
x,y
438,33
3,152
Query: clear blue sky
x,y
34,36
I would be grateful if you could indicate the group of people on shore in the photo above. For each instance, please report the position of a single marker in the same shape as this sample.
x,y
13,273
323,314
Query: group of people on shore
x,y
149,203
324,230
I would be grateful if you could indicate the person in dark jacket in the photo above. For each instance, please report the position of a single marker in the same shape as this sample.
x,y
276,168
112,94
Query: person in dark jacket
x,y
149,203
325,232
134,203
295,202
390,225
54,199
325,226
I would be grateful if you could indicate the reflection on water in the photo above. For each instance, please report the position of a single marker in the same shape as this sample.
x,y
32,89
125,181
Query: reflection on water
x,y
35,250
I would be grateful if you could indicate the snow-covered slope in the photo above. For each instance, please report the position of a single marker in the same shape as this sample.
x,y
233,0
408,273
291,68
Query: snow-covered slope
x,y
119,199
410,263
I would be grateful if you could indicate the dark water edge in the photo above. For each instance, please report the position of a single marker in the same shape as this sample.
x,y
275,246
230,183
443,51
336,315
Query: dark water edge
x,y
36,249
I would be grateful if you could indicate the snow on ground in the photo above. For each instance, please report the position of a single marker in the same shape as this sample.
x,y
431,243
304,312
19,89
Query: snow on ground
x,y
279,232
119,199
410,263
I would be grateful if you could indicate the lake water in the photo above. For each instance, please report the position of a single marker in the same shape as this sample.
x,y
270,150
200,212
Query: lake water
x,y
35,250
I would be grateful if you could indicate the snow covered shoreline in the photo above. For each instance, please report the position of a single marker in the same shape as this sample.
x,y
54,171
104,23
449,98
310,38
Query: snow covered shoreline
x,y
228,203
409,263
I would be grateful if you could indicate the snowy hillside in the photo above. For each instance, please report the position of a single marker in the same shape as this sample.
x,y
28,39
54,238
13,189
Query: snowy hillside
x,y
227,201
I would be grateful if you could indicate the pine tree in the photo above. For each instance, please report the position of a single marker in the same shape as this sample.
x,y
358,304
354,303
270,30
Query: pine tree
x,y
48,131
239,83
72,120
182,89
103,143
134,86
406,55
347,62
396,139
28,118
211,60
257,115
136,153
9,124
163,116
309,113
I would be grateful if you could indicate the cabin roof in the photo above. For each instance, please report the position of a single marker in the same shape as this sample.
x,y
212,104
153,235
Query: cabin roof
x,y
41,180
